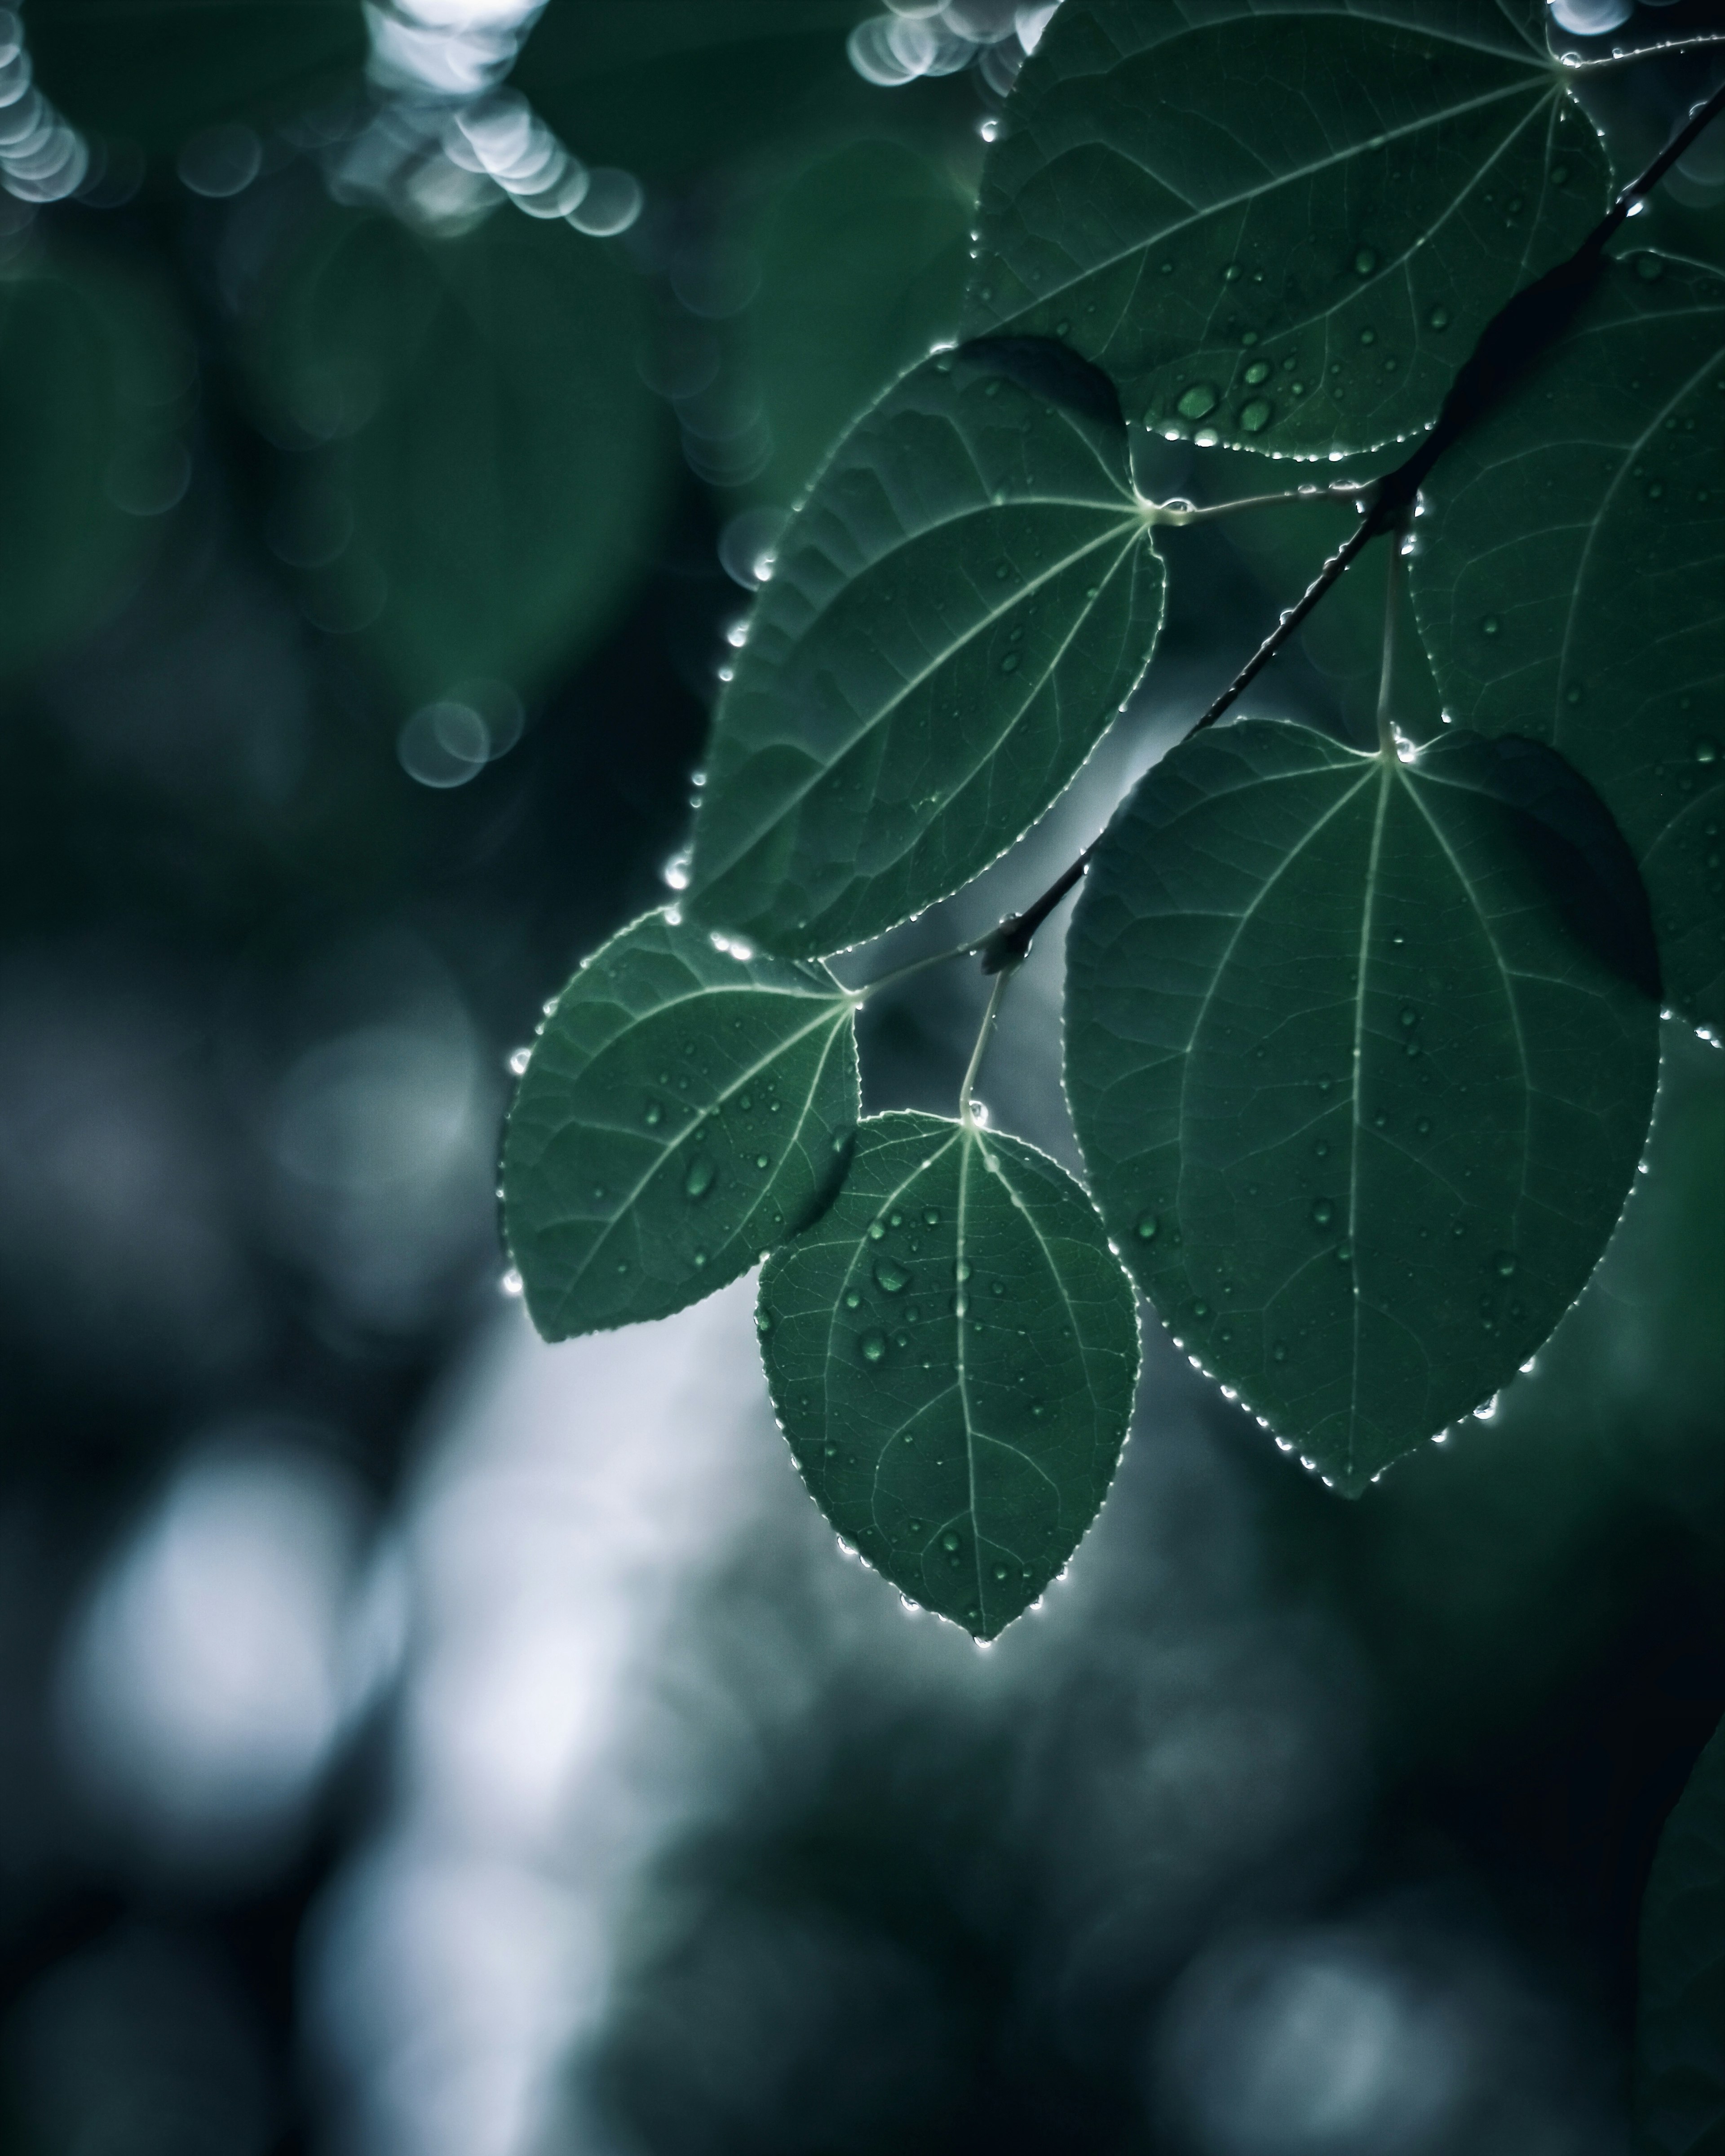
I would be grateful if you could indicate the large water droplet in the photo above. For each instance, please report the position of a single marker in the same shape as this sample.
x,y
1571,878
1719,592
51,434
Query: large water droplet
x,y
700,1177
891,1277
872,1347
1198,401
1257,415
949,1541
1258,371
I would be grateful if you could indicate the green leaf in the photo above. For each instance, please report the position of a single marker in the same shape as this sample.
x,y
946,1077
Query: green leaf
x,y
667,88
1361,1055
1282,227
1570,584
860,258
96,383
684,1108
959,608
498,463
155,71
1680,2033
952,1350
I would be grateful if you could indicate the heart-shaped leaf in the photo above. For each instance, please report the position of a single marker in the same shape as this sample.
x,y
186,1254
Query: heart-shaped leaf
x,y
1362,1054
957,611
952,1349
1570,584
683,1109
1281,226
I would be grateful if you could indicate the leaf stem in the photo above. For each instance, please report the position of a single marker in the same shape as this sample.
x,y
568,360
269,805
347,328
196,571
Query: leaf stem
x,y
967,1113
1703,41
1177,514
1386,675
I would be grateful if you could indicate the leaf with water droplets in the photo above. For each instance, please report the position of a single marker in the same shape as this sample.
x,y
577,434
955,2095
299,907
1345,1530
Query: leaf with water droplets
x,y
952,1350
1680,2017
1570,584
683,1110
957,613
1369,1047
1282,228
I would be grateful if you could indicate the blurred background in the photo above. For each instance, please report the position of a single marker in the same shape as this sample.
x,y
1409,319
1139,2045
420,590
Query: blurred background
x,y
415,1741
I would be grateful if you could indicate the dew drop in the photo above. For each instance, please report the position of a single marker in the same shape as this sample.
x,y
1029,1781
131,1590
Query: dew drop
x,y
1410,1015
949,1541
1504,1264
1438,318
1490,625
1198,401
877,1231
1000,1571
1648,267
930,1217
700,1177
852,1300
1424,1126
1323,1211
872,1347
1257,415
519,1061
1009,665
1200,1308
1145,1227
891,1277
1705,751
1258,371
1365,262
652,1114
511,1282
763,1322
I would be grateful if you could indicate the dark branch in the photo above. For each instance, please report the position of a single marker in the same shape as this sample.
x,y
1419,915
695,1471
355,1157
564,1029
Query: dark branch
x,y
1509,345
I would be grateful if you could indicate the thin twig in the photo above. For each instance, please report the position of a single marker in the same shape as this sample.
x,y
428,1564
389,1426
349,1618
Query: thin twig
x,y
1386,671
967,1112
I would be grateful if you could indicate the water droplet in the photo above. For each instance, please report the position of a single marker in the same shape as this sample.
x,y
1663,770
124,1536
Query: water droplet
x,y
1257,415
1000,1571
1424,1126
763,1322
699,1179
1648,267
1279,1352
1198,401
852,1300
1365,262
1344,1253
652,1113
519,1061
1145,1227
700,1258
1230,275
1438,318
877,1231
949,1541
932,1217
1410,1015
1258,371
1200,1308
1504,1264
1322,1149
1323,1211
1706,752
1490,625
761,1160
511,1282
1368,336
890,1276
872,1347
838,1141
962,1269
1009,665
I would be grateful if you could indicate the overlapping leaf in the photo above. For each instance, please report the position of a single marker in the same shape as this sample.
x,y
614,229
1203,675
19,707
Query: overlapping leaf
x,y
1281,224
154,71
1570,584
956,613
500,463
952,1349
683,1109
1679,2032
1361,1055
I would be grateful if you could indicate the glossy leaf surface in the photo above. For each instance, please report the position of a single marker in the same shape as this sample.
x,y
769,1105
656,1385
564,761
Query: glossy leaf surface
x,y
957,613
953,1348
1570,584
682,1110
1361,1055
1281,224
495,463
96,382
155,71
1680,2033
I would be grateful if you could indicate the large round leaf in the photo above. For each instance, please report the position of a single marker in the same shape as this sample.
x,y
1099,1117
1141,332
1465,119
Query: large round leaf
x,y
486,427
1680,2020
952,1349
1281,224
155,71
94,376
682,1110
1361,1055
957,612
1570,584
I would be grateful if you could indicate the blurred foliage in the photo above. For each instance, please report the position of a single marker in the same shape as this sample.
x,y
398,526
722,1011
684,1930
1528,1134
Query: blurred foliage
x,y
155,71
491,466
96,391
1680,2024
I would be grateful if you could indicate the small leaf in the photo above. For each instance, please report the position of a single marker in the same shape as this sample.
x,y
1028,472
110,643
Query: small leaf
x,y
1570,585
497,461
1362,1055
1281,228
683,1110
952,1349
96,391
154,71
957,613
1680,2022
